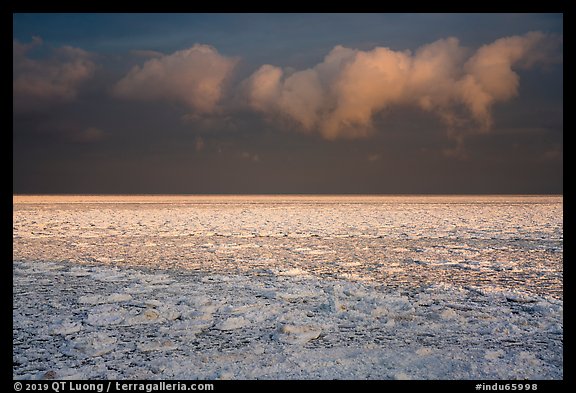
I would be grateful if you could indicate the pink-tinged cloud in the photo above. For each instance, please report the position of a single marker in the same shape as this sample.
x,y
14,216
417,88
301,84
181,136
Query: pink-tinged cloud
x,y
489,76
55,79
340,96
194,77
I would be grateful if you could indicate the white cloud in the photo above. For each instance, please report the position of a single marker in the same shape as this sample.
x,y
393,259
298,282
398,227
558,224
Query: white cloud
x,y
193,77
340,96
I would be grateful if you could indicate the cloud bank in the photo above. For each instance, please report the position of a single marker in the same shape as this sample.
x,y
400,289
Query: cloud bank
x,y
194,77
55,79
340,96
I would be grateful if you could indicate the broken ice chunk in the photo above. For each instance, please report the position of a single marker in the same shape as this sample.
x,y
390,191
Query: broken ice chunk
x,y
294,334
233,323
65,327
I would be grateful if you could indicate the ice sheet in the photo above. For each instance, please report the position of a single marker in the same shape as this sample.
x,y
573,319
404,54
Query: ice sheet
x,y
275,288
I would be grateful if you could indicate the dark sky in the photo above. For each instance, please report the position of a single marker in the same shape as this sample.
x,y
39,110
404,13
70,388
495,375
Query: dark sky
x,y
287,103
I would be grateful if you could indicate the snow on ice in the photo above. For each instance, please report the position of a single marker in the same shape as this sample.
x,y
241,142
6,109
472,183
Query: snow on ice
x,y
288,287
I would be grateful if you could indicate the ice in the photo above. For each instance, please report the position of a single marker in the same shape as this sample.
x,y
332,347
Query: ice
x,y
293,272
493,355
401,376
191,325
111,276
233,323
147,316
293,334
163,346
92,345
106,315
66,327
288,288
424,351
97,299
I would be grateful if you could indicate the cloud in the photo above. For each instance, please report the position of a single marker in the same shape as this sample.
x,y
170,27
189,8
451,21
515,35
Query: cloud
x,y
193,77
46,81
20,49
489,76
340,97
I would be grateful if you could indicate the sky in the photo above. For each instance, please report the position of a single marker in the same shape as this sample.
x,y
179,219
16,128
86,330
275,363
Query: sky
x,y
287,103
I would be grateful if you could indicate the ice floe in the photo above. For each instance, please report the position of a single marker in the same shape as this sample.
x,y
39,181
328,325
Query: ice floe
x,y
370,289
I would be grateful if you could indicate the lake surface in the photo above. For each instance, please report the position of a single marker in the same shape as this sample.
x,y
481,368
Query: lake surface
x,y
423,287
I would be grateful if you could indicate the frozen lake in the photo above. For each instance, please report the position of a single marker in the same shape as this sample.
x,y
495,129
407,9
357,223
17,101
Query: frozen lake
x,y
275,287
